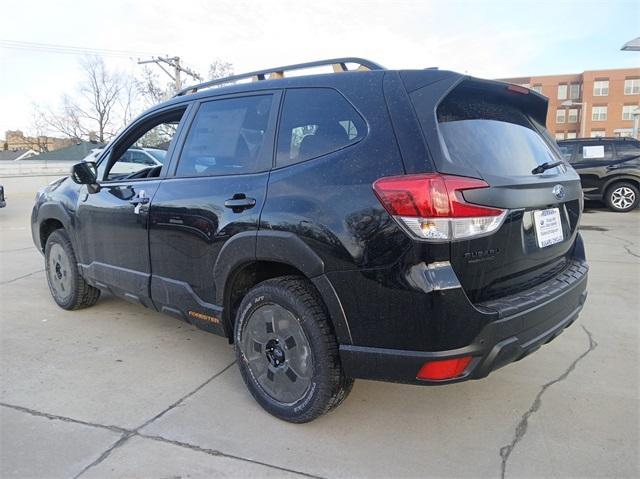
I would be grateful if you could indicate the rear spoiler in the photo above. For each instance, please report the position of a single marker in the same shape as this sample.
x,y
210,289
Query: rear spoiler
x,y
442,82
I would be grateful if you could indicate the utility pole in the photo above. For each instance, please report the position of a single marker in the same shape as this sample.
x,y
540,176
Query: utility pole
x,y
172,62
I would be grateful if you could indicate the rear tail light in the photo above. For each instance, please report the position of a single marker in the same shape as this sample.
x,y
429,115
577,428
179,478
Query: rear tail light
x,y
431,207
444,369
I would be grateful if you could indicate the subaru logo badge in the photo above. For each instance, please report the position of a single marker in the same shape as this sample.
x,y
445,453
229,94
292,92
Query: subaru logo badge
x,y
558,191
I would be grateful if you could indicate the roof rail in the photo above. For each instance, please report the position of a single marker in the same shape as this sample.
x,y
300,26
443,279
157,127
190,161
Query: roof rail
x,y
338,64
600,138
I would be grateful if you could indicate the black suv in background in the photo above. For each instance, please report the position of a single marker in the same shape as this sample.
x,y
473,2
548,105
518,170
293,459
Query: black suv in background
x,y
409,226
609,169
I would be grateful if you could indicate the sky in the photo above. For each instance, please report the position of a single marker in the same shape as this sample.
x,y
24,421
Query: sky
x,y
486,38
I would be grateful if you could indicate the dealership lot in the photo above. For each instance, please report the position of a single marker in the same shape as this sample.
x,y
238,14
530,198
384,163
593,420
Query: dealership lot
x,y
120,391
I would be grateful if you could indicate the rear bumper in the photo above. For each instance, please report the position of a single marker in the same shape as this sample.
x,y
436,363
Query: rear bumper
x,y
525,322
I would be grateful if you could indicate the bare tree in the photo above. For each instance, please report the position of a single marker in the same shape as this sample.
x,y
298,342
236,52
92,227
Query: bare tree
x,y
152,90
104,97
37,140
220,69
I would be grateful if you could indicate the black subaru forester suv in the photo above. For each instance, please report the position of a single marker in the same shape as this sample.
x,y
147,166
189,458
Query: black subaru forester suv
x,y
409,226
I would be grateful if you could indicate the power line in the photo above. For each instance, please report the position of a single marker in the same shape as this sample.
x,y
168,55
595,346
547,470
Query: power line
x,y
68,49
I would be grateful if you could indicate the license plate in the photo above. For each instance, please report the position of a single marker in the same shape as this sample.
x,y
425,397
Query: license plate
x,y
548,227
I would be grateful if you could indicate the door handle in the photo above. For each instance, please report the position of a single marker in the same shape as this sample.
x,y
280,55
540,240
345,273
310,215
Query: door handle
x,y
240,202
139,200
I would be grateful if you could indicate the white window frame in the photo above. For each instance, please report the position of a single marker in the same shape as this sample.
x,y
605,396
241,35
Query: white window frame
x,y
572,116
598,133
572,135
537,88
601,88
599,113
632,86
559,136
562,91
627,111
561,115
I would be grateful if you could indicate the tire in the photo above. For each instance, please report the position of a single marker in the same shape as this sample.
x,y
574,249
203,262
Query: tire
x,y
67,286
622,197
291,366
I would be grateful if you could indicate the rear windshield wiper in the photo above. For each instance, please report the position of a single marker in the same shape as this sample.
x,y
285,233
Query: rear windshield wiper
x,y
545,166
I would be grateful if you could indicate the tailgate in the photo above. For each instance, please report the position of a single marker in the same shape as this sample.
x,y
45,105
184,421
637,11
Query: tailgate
x,y
495,132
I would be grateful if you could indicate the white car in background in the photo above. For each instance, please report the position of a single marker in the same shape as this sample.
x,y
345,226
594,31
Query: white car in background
x,y
133,160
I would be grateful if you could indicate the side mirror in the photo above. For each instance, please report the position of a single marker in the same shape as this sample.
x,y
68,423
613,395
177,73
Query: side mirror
x,y
86,173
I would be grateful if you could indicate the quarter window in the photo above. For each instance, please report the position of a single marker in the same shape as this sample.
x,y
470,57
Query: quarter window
x,y
601,88
599,113
314,122
627,148
227,138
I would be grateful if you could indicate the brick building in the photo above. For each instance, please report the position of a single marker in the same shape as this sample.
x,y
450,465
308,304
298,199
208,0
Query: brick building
x,y
16,140
591,103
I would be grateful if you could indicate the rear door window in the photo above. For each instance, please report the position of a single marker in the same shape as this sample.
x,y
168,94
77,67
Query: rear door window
x,y
596,152
315,122
227,137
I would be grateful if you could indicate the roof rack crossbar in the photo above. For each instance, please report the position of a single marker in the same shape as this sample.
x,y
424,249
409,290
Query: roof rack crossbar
x,y
338,64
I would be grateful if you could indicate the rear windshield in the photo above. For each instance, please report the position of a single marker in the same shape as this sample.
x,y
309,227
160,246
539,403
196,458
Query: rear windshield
x,y
490,135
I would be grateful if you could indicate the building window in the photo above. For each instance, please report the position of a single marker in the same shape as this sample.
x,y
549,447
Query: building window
x,y
628,111
560,116
562,92
537,88
601,88
597,133
599,113
573,115
574,91
632,86
571,135
559,136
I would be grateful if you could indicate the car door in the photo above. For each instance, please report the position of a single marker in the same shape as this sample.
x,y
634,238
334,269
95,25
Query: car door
x,y
215,191
112,222
592,161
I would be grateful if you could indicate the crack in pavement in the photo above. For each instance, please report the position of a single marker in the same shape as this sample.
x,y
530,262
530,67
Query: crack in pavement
x,y
126,434
134,432
21,277
213,452
124,438
55,417
521,428
185,397
626,245
18,249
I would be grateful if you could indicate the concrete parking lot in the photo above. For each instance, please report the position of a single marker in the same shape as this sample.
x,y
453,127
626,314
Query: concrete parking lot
x,y
120,391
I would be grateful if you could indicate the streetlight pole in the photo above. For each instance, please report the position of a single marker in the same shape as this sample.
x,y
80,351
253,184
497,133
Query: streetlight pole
x,y
636,120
